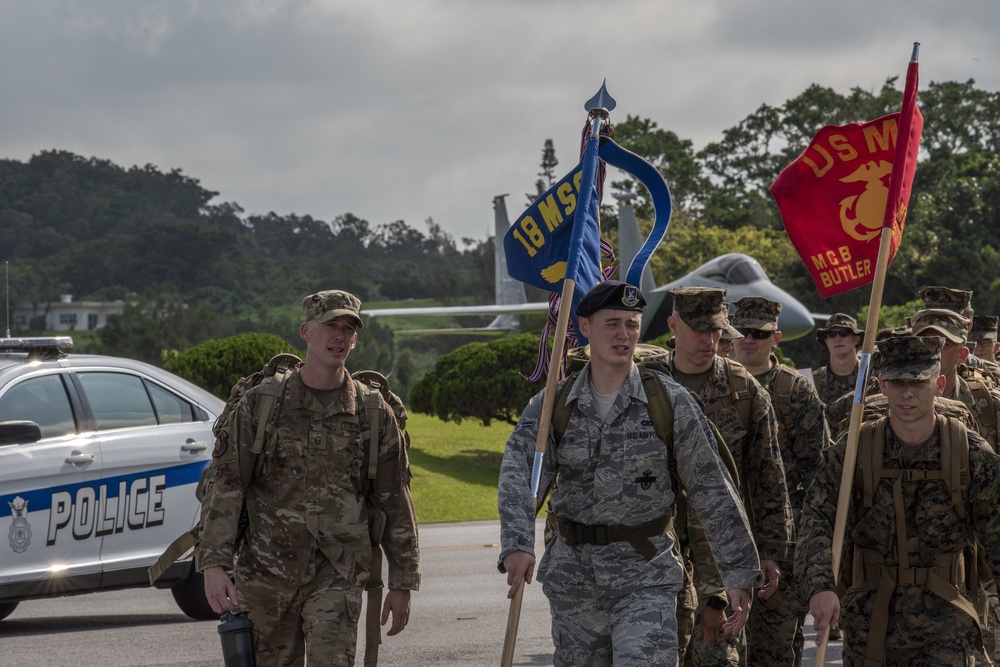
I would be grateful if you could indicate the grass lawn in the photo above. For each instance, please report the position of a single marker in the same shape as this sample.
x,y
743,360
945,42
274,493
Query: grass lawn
x,y
455,468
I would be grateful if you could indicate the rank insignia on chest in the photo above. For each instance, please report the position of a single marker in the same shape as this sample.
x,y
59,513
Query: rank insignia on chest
x,y
646,480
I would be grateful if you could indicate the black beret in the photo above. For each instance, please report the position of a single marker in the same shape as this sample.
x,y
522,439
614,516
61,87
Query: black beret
x,y
611,294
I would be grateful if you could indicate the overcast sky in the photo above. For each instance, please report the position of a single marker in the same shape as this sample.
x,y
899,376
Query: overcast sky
x,y
416,109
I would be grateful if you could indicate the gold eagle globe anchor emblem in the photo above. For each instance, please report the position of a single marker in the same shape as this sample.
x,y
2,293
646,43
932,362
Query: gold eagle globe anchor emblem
x,y
861,215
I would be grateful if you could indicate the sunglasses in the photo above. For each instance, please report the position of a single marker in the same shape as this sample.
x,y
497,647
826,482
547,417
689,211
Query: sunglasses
x,y
756,334
839,333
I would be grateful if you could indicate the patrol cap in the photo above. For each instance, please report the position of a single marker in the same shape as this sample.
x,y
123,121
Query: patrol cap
x,y
612,294
956,300
940,322
838,321
328,304
756,312
984,327
910,357
729,332
701,308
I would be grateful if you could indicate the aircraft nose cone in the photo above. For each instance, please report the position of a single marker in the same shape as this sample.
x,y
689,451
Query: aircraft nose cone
x,y
794,320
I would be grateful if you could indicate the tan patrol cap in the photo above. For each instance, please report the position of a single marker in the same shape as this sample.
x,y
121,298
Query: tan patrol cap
x,y
756,312
984,327
328,304
701,308
910,357
956,300
940,322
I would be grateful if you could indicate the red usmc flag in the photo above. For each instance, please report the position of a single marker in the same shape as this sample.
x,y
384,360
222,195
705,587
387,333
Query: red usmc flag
x,y
850,182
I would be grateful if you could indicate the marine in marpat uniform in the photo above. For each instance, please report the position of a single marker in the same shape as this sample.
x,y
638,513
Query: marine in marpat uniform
x,y
611,573
913,517
972,389
729,337
307,554
842,338
960,302
741,410
775,629
983,339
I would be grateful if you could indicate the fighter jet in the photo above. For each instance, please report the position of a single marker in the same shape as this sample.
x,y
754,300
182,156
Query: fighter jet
x,y
740,275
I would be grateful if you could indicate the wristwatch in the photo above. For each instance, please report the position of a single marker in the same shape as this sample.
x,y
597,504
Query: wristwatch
x,y
717,603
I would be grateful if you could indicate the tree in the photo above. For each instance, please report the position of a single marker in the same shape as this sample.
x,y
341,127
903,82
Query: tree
x,y
484,381
218,364
547,176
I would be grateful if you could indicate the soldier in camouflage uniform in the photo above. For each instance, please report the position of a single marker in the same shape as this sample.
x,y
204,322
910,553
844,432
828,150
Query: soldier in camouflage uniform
x,y
729,337
736,403
960,302
775,628
977,393
983,336
906,600
307,553
842,338
611,573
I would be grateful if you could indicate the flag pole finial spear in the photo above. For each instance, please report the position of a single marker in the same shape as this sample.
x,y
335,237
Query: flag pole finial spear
x,y
597,108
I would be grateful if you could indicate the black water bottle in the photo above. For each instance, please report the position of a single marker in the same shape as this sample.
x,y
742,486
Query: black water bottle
x,y
236,633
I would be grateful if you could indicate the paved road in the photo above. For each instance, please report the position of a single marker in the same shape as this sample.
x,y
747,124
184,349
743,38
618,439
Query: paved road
x,y
458,619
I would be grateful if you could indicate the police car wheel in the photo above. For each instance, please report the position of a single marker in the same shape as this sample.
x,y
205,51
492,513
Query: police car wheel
x,y
6,609
189,595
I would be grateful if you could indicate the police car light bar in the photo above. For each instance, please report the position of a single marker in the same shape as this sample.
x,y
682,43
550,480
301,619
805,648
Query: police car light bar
x,y
39,343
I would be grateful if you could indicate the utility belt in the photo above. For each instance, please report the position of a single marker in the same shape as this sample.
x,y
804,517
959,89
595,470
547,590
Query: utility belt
x,y
638,536
945,579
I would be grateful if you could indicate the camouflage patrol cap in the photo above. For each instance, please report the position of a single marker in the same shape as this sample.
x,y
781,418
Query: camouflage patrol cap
x,y
984,327
701,308
729,332
612,294
940,322
328,304
838,321
955,300
910,357
756,312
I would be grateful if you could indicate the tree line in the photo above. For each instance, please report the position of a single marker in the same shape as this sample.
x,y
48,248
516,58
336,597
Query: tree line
x,y
192,269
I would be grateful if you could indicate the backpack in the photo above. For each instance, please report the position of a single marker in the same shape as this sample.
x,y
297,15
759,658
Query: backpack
x,y
274,376
370,387
955,473
649,359
781,397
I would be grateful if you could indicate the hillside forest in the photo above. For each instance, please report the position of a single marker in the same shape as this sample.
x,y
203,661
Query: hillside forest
x,y
191,268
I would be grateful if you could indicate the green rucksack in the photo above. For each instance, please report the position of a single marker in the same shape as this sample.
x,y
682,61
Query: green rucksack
x,y
650,359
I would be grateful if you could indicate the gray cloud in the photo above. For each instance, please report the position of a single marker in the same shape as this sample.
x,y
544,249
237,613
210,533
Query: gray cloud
x,y
429,108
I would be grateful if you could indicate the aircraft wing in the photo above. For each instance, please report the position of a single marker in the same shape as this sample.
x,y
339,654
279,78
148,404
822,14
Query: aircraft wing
x,y
485,309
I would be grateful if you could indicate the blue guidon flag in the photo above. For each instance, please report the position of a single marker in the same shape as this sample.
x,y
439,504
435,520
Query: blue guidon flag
x,y
550,241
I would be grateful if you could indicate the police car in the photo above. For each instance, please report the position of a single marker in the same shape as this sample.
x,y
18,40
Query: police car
x,y
99,459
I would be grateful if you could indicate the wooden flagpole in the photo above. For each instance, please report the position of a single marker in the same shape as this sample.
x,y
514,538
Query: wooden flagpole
x,y
854,428
874,306
597,107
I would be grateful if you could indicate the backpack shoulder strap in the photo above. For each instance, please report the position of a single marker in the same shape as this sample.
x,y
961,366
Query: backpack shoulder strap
x,y
661,413
781,397
871,451
739,391
560,410
955,460
368,406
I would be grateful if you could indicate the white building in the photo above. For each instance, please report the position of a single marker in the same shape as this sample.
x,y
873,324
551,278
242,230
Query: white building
x,y
68,315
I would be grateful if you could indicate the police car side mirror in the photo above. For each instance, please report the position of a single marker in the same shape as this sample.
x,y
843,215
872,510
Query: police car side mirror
x,y
19,433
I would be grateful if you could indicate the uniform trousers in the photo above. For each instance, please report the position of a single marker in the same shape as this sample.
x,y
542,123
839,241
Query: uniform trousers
x,y
313,620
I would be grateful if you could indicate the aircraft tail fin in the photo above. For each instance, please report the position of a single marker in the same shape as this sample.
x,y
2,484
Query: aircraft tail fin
x,y
630,241
508,291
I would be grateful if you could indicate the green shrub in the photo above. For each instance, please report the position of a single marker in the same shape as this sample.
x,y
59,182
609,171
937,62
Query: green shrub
x,y
485,381
218,364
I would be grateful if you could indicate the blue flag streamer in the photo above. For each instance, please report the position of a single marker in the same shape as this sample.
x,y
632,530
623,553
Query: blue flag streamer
x,y
646,174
